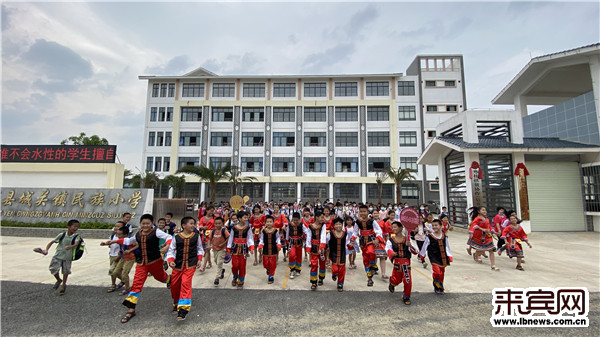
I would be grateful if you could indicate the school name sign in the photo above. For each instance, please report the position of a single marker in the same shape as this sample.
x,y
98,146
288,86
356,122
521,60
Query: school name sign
x,y
62,204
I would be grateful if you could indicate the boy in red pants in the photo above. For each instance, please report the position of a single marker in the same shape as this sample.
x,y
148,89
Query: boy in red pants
x,y
338,239
270,245
294,234
241,241
184,256
148,260
316,236
437,249
399,249
370,236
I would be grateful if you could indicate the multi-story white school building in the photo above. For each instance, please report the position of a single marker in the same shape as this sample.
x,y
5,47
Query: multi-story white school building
x,y
303,137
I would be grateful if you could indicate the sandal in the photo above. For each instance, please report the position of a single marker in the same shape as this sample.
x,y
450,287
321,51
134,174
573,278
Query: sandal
x,y
209,266
255,263
111,289
120,285
520,268
469,250
62,291
57,284
124,292
40,250
201,269
129,315
494,268
406,301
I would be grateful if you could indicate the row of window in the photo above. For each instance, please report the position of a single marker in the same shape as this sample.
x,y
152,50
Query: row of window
x,y
440,84
288,114
316,89
158,164
283,139
286,164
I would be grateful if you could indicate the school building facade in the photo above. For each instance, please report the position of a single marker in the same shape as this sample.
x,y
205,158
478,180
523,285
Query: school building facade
x,y
303,137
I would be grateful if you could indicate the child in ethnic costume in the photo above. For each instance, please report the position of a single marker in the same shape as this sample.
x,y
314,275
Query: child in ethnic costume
x,y
514,235
184,256
241,241
399,249
148,260
294,233
338,240
438,250
270,245
316,238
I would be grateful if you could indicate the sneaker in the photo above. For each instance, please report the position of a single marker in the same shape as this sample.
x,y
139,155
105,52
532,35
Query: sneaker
x,y
270,280
216,282
174,310
340,288
222,274
181,314
391,288
370,282
320,282
240,287
292,274
297,273
424,264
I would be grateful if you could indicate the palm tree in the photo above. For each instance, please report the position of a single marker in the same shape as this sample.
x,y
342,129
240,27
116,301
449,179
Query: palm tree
x,y
210,175
149,180
380,176
235,177
399,176
176,183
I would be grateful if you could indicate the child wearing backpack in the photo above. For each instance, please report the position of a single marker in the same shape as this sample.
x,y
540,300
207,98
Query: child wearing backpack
x,y
68,242
218,240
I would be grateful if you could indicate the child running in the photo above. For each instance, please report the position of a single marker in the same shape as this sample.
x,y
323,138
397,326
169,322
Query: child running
x,y
370,236
294,233
240,242
316,238
514,235
114,257
438,250
148,261
184,256
270,245
399,249
218,242
126,262
480,236
64,256
338,240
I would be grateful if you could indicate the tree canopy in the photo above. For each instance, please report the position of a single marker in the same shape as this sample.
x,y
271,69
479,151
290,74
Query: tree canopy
x,y
82,139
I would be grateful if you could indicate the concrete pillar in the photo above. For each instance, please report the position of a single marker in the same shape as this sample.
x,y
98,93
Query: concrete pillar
x,y
330,191
299,192
595,73
171,191
202,191
267,191
442,182
469,158
364,192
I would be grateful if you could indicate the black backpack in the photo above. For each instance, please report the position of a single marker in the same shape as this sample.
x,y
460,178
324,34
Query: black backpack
x,y
77,251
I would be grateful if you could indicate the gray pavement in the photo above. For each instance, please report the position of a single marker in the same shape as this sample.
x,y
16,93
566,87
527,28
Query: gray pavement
x,y
31,307
35,310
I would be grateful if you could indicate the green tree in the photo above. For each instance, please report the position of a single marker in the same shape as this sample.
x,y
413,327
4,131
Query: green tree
x,y
177,183
236,177
380,177
149,180
399,176
210,175
130,179
82,139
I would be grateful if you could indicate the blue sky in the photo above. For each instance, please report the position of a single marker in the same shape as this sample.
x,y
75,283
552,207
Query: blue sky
x,y
73,67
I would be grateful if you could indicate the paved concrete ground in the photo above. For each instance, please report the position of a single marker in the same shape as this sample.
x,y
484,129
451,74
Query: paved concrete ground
x,y
557,259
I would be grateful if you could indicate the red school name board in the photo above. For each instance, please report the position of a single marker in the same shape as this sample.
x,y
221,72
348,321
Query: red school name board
x,y
58,153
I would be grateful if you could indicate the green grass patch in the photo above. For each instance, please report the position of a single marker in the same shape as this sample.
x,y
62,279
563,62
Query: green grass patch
x,y
63,224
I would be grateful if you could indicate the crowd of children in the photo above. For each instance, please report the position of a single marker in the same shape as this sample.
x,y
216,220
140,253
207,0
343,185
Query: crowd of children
x,y
329,234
